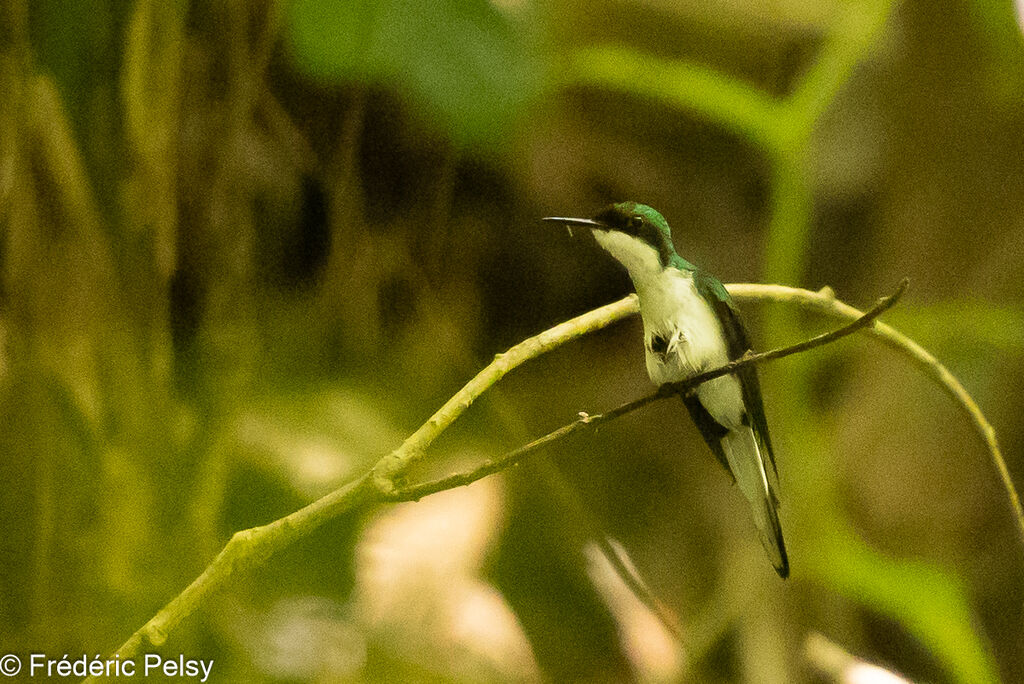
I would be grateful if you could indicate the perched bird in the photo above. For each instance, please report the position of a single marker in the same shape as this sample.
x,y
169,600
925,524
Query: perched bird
x,y
690,325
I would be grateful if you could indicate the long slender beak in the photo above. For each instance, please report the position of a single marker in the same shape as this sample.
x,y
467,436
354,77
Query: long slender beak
x,y
582,222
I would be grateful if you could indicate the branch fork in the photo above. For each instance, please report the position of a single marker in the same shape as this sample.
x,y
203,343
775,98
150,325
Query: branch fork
x,y
384,482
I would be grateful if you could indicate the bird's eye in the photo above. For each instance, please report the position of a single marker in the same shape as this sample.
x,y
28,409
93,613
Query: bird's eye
x,y
636,221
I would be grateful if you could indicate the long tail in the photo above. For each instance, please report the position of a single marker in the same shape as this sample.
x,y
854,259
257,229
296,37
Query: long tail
x,y
741,450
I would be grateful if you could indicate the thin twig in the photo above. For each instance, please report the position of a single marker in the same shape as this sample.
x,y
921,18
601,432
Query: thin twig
x,y
416,492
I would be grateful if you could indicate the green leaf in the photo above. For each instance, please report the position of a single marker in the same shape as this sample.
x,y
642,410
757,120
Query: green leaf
x,y
719,98
463,61
929,602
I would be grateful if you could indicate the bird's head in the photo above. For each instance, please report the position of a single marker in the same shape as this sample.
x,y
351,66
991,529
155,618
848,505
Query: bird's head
x,y
635,234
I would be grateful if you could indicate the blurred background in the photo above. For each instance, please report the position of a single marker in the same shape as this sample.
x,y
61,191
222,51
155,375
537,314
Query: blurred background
x,y
248,247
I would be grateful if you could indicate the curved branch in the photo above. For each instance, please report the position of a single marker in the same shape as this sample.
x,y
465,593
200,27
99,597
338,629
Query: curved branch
x,y
251,548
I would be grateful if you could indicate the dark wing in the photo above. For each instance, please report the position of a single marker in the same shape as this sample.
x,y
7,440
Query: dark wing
x,y
736,339
710,429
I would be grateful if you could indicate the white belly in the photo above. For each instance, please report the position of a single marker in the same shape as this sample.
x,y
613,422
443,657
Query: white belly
x,y
682,337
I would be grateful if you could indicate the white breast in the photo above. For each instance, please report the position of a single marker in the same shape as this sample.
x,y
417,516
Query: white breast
x,y
674,312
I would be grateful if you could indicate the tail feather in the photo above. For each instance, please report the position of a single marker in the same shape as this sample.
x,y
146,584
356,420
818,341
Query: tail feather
x,y
747,465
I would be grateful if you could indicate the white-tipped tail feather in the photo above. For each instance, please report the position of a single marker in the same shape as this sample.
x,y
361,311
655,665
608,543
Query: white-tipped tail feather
x,y
744,457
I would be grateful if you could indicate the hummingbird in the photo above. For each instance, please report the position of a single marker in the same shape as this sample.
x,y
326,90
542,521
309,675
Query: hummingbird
x,y
690,326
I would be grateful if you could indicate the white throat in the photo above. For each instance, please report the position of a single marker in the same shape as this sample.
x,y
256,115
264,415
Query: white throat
x,y
641,260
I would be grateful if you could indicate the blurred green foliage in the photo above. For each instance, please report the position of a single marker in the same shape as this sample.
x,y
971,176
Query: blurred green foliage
x,y
464,62
247,246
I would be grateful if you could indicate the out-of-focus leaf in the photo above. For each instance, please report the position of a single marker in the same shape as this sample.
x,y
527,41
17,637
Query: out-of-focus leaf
x,y
927,601
315,440
726,101
462,60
